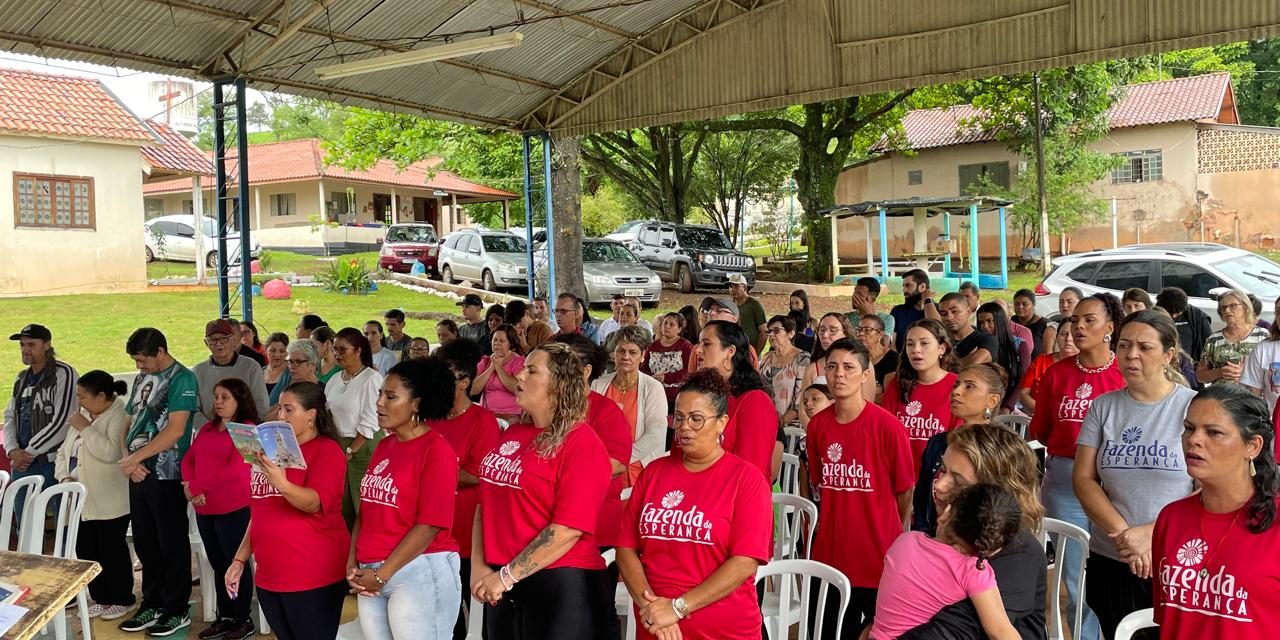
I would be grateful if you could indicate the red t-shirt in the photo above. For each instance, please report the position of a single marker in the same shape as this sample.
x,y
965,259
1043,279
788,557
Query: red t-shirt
x,y
1063,397
752,430
615,432
408,484
1240,597
297,551
472,435
685,525
213,467
522,493
860,468
926,413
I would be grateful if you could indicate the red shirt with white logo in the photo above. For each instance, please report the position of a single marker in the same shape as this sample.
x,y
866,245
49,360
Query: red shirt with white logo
x,y
685,525
926,413
614,430
1065,394
859,467
297,551
522,493
752,430
1212,578
408,484
472,434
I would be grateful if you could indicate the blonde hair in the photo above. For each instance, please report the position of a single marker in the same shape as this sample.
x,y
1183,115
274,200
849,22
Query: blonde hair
x,y
569,396
1245,303
1000,457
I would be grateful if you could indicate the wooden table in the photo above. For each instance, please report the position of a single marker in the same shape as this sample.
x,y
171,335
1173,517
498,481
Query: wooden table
x,y
53,582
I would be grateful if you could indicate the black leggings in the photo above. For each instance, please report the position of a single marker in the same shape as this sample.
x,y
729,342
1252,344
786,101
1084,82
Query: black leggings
x,y
552,603
103,541
221,535
313,614
1113,592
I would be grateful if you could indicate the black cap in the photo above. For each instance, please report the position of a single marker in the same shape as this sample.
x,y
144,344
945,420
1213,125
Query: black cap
x,y
471,299
37,331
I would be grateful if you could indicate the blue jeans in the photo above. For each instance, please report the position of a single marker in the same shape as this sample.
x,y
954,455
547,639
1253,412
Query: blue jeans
x,y
419,602
1060,503
45,470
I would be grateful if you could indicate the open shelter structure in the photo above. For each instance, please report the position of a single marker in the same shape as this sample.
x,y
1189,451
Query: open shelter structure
x,y
926,252
584,66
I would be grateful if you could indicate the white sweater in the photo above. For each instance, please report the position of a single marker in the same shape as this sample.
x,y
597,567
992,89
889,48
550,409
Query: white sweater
x,y
101,446
651,416
354,404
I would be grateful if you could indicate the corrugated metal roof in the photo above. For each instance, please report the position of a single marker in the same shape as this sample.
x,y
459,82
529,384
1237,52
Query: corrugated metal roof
x,y
593,65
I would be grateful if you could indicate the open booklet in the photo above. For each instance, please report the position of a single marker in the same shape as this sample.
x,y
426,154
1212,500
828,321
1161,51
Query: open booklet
x,y
12,593
275,440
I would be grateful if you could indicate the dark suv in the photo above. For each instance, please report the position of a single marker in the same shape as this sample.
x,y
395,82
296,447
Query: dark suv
x,y
692,256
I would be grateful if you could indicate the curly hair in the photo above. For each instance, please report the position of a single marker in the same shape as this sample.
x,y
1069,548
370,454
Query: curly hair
x,y
1252,419
424,379
985,517
1114,311
569,396
908,377
999,456
712,385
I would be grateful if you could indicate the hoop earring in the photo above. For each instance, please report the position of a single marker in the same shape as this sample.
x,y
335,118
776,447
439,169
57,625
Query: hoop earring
x,y
1253,470
720,439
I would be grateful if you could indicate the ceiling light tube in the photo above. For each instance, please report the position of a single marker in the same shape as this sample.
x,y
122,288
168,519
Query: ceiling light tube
x,y
420,56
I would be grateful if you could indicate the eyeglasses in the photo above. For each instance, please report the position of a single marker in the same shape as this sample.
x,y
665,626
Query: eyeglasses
x,y
296,363
560,311
867,330
218,341
342,350
775,331
696,420
1231,306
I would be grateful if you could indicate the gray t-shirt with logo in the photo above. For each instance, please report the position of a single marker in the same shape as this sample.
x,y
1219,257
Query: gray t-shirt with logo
x,y
1140,458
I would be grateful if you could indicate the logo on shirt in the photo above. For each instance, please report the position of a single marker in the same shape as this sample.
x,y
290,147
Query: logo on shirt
x,y
843,476
509,448
919,427
666,521
1131,453
1075,408
259,486
1131,435
835,452
381,466
1188,585
501,468
1084,390
379,489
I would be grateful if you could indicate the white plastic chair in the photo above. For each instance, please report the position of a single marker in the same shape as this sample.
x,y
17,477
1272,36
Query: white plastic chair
x,y
4,481
1062,534
208,592
70,498
351,631
1132,623
789,477
794,580
29,489
622,601
1014,422
796,518
792,436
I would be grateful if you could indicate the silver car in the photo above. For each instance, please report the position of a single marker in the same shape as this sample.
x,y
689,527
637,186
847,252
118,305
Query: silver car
x,y
494,259
610,269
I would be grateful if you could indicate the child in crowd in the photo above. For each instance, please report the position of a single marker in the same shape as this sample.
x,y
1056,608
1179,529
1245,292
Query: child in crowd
x,y
924,575
813,399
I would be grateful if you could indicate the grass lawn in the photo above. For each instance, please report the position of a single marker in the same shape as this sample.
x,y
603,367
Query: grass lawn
x,y
281,262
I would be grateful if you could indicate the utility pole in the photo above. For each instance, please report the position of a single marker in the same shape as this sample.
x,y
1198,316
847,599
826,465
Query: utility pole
x,y
1045,252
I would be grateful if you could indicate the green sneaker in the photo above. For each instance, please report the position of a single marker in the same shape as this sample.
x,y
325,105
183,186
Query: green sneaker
x,y
169,625
142,619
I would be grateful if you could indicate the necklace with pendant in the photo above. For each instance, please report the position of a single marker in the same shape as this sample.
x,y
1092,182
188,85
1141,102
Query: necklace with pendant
x,y
1204,568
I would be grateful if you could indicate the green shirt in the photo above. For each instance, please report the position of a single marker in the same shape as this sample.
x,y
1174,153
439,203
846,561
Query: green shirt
x,y
750,317
154,397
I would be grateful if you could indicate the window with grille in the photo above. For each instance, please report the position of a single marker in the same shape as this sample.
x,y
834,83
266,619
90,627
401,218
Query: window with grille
x,y
284,204
1139,166
59,202
915,176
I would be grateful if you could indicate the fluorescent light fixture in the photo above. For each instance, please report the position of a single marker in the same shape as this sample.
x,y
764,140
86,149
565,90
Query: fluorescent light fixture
x,y
420,56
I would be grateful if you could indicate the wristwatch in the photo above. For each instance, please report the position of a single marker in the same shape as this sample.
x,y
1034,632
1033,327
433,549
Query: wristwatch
x,y
928,301
680,607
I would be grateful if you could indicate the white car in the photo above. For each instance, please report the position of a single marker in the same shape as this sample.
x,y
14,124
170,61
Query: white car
x,y
172,238
626,232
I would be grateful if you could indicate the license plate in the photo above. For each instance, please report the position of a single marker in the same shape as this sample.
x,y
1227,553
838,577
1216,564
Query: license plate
x,y
409,260
633,293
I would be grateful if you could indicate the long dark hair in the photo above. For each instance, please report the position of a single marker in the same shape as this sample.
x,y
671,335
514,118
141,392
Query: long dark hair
x,y
257,343
311,396
100,382
425,379
744,377
246,408
908,377
692,329
1008,356
808,314
353,337
1253,418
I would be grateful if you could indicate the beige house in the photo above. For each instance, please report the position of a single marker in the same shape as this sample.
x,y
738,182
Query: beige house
x,y
1190,171
71,217
293,191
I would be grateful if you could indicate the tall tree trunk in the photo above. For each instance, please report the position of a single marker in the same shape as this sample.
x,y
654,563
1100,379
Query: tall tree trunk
x,y
566,202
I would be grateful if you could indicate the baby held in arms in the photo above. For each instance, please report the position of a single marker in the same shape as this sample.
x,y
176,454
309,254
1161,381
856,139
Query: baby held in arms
x,y
923,575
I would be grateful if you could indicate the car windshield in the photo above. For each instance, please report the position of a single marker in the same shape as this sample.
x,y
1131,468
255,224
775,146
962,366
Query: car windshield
x,y
411,234
1254,274
628,227
605,252
503,244
702,238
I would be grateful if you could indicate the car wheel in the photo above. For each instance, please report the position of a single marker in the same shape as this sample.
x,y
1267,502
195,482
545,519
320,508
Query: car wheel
x,y
211,260
489,283
684,278
151,257
446,274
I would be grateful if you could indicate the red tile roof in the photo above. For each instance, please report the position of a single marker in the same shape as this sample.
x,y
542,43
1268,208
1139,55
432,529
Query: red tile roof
x,y
297,160
65,107
1198,98
177,155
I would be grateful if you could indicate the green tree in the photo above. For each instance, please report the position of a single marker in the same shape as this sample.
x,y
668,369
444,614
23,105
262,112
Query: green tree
x,y
602,211
1258,97
654,167
738,167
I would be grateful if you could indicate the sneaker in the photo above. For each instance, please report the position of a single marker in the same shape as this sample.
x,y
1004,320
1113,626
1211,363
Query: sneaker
x,y
216,630
239,630
114,611
169,625
143,619
96,610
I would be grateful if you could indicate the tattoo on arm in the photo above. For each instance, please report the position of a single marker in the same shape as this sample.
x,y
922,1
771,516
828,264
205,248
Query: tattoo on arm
x,y
524,565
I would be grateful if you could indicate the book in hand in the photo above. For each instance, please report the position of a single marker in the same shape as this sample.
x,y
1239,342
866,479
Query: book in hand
x,y
274,440
12,593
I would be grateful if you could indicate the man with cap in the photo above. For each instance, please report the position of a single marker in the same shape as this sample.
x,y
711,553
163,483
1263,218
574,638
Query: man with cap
x,y
307,324
751,315
475,328
722,308
224,362
38,413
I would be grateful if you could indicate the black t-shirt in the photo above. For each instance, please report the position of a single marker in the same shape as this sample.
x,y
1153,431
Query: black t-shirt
x,y
978,340
248,352
903,316
887,365
1037,330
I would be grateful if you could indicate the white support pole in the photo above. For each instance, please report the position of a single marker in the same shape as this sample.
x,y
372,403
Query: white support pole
x,y
1115,225
453,209
324,209
395,206
197,208
835,250
257,207
920,236
871,263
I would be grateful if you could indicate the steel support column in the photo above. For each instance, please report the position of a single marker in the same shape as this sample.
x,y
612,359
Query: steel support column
x,y
220,118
